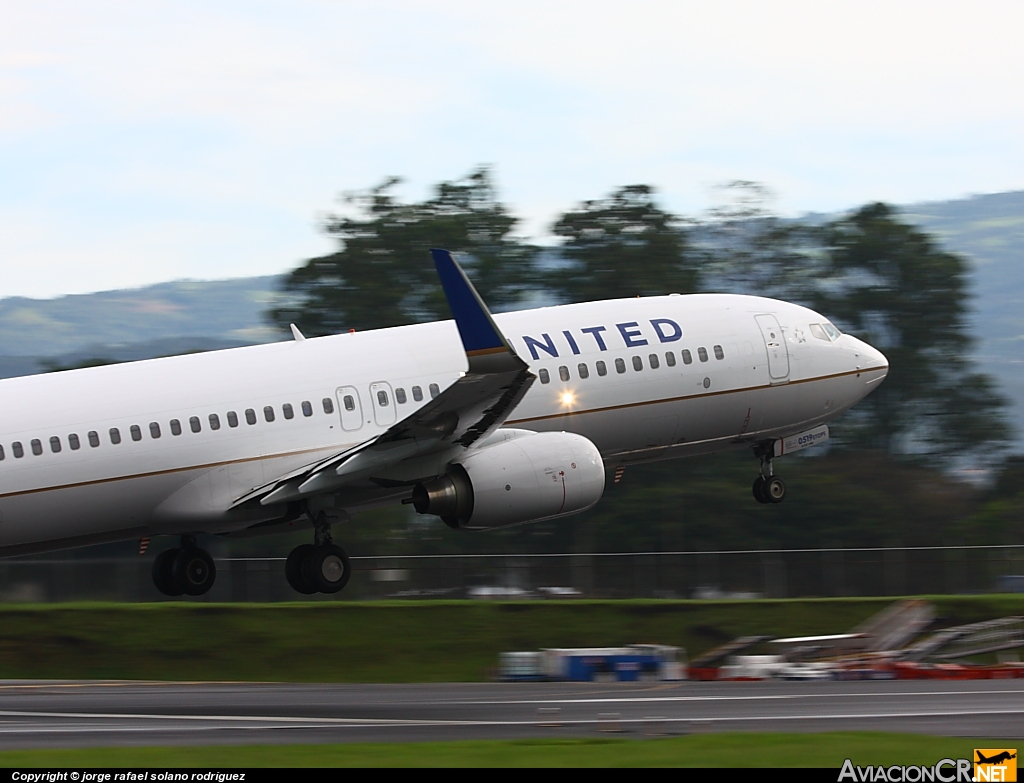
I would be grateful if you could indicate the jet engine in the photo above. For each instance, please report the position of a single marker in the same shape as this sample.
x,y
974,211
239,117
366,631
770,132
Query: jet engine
x,y
526,479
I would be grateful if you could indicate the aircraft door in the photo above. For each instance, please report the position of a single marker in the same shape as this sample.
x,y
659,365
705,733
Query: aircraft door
x,y
778,354
351,410
383,402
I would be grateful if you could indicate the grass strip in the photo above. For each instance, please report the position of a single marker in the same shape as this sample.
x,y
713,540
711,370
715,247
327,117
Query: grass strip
x,y
396,641
704,750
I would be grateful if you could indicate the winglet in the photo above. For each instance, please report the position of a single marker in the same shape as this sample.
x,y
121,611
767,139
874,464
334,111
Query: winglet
x,y
485,345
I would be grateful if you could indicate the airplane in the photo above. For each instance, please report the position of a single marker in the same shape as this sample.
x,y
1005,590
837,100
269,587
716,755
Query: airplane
x,y
484,420
996,759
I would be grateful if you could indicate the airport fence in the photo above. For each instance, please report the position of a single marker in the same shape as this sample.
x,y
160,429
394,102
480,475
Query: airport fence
x,y
769,573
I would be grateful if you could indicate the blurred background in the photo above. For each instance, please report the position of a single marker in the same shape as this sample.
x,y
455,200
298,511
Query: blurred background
x,y
919,490
185,177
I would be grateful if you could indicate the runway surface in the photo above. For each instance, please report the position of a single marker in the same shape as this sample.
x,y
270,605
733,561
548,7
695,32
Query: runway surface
x,y
77,714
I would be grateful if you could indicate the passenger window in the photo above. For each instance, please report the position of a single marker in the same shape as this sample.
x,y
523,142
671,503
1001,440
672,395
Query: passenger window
x,y
638,363
250,416
115,435
268,412
602,369
687,357
719,353
194,424
73,442
417,393
544,376
94,439
563,373
349,402
1,452
382,398
37,447
154,430
288,411
307,408
818,332
670,359
583,370
620,366
214,421
175,427
232,419
328,405
654,361
16,447
55,444
434,390
400,397
136,432
702,354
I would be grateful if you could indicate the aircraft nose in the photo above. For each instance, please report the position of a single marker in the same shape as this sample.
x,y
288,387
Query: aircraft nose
x,y
870,358
874,358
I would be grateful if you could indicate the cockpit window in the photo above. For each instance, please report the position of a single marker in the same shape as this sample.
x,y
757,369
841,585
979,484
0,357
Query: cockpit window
x,y
834,333
818,332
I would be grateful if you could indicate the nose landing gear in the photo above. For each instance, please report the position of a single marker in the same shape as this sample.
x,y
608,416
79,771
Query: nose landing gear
x,y
321,567
768,488
184,570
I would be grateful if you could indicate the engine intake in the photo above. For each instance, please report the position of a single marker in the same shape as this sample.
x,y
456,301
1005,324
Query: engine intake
x,y
525,479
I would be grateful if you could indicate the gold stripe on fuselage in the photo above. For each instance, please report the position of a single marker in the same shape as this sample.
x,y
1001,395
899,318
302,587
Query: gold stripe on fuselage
x,y
565,414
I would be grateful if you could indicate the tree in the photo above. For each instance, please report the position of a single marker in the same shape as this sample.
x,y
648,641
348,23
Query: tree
x,y
746,248
623,245
889,284
382,275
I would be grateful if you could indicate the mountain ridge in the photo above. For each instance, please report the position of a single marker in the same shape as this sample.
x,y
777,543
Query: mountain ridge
x,y
189,315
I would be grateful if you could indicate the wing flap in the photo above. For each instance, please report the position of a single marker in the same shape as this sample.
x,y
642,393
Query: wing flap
x,y
470,409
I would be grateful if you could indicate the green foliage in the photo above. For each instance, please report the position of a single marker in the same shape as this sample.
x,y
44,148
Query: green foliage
x,y
382,276
746,249
395,641
54,366
725,750
889,284
623,245
877,276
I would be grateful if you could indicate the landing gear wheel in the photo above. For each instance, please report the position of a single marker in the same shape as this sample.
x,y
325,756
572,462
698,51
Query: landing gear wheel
x,y
759,491
774,489
193,571
293,569
327,567
163,576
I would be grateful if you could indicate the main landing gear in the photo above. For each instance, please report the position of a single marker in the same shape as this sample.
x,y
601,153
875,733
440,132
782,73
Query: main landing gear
x,y
320,567
186,570
768,488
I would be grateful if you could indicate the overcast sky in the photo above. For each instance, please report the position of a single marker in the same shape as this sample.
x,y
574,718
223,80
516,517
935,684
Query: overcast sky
x,y
148,141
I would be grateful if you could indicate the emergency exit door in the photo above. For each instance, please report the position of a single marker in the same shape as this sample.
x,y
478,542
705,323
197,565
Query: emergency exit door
x,y
349,407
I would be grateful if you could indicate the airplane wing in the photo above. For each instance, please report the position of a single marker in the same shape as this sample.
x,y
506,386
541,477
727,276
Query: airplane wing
x,y
470,409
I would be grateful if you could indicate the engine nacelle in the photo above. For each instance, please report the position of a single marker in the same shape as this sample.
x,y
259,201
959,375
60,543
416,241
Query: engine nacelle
x,y
526,479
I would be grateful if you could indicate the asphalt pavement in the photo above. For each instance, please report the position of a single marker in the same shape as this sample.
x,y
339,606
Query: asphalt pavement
x,y
78,714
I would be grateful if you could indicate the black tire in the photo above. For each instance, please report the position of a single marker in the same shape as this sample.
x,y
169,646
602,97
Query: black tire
x,y
194,571
775,490
328,568
293,569
163,576
758,490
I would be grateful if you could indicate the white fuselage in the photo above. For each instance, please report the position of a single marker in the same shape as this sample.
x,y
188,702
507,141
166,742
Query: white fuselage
x,y
154,481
